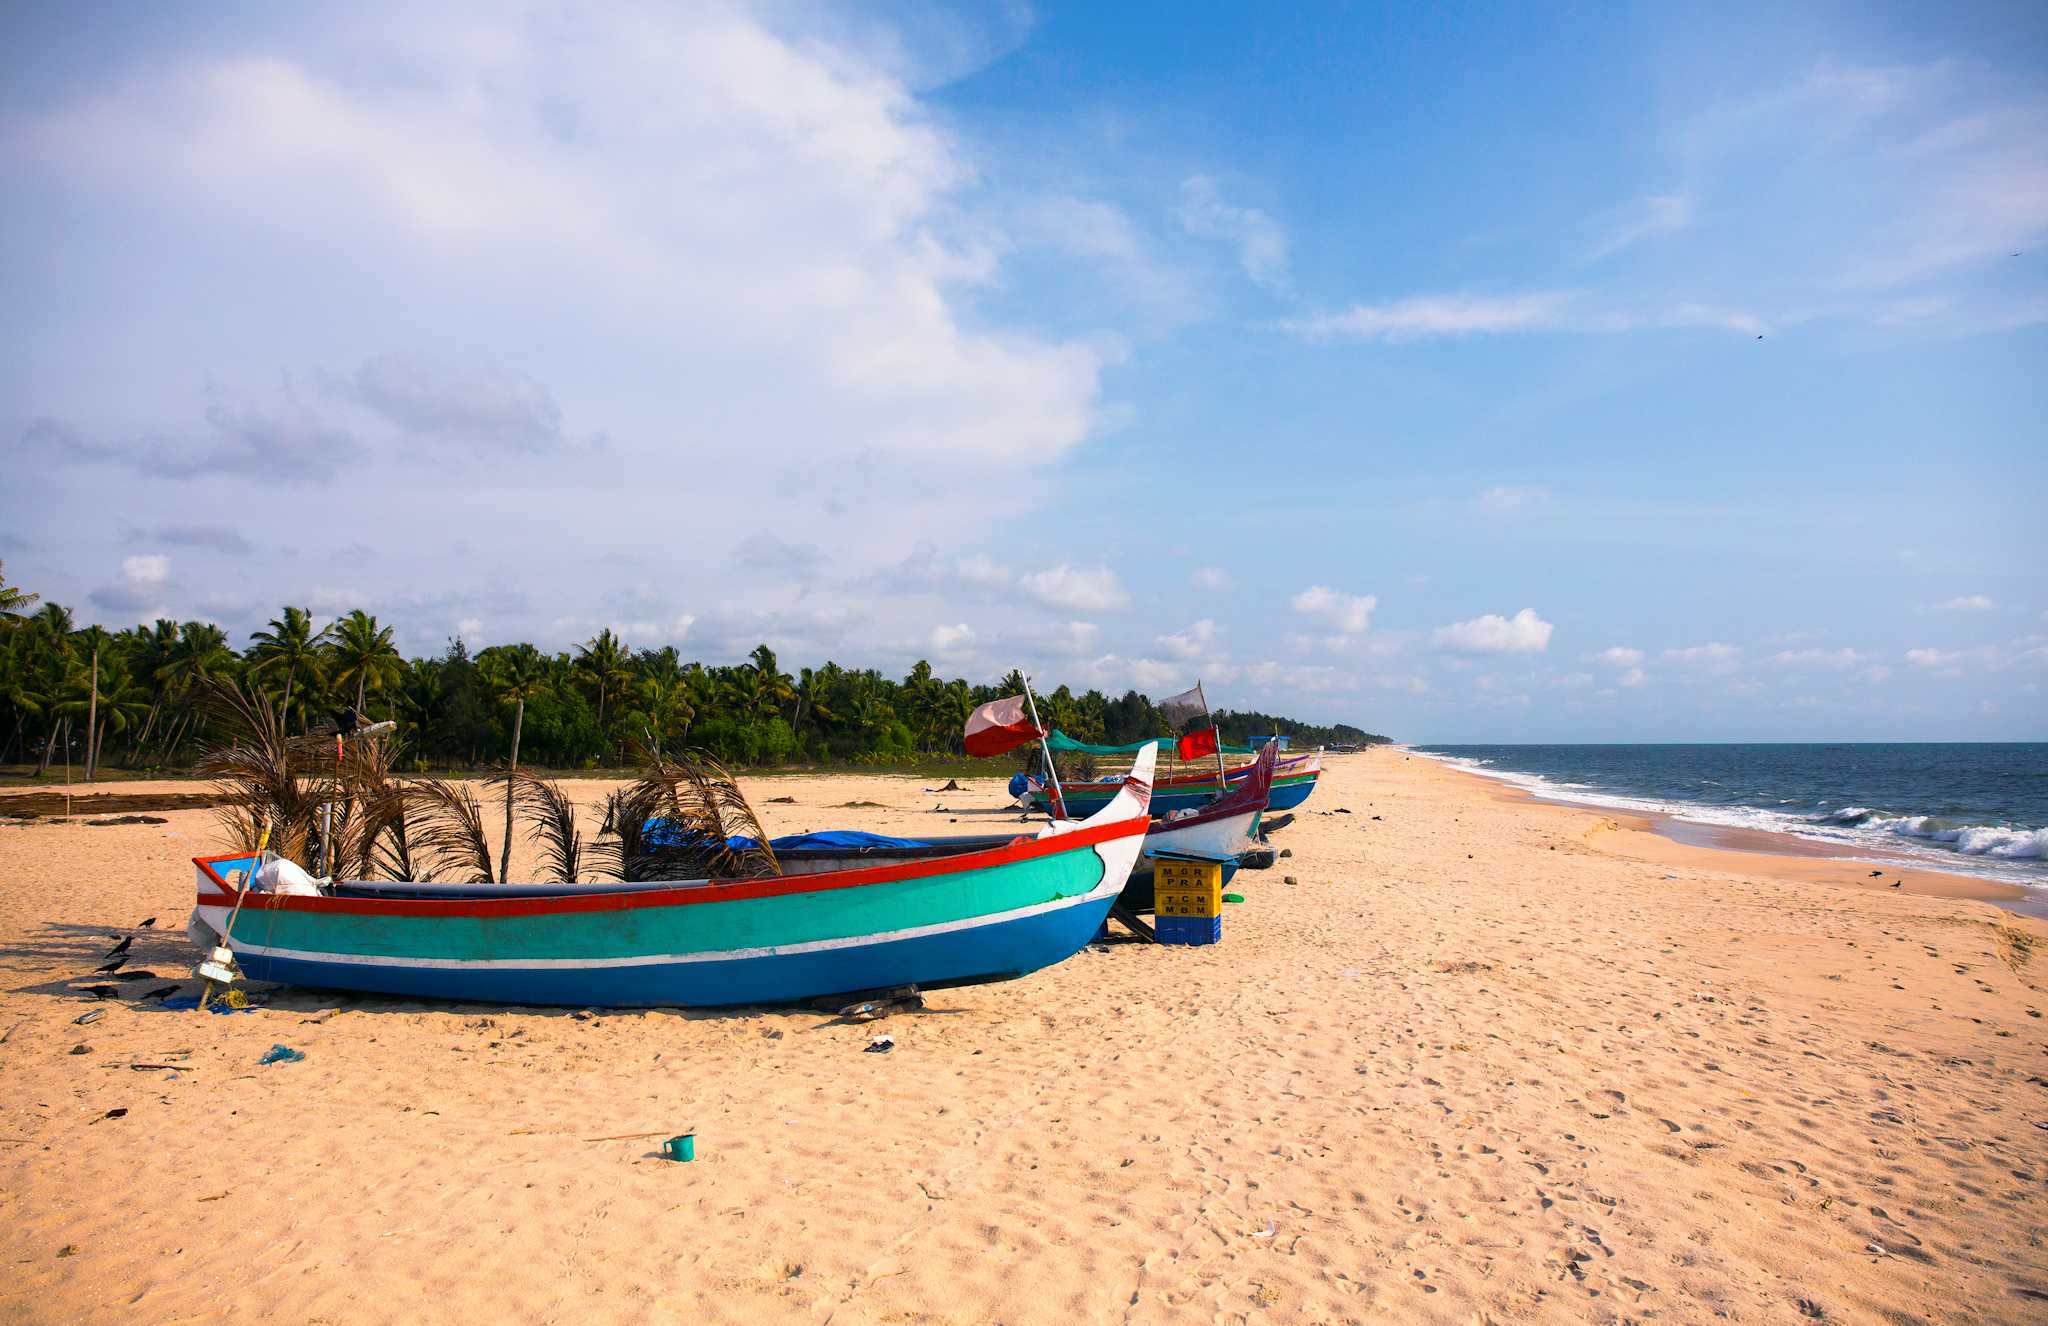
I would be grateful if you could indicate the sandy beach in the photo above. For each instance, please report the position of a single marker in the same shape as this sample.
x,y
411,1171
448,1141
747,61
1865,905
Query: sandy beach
x,y
1461,1057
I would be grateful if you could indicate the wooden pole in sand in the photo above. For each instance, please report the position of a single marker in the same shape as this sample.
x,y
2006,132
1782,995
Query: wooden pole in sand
x,y
1222,778
1059,798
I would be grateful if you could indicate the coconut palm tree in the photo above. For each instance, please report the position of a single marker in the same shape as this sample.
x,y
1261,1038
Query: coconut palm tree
x,y
105,696
292,644
362,652
669,711
14,601
769,686
605,660
515,675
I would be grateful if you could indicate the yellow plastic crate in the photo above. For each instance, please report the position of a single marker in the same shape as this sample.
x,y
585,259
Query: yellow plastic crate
x,y
1200,904
1188,875
1187,888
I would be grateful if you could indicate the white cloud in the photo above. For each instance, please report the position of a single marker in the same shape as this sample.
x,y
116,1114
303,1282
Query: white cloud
x,y
1659,214
1424,317
1503,500
1839,659
778,211
1621,656
1715,655
1966,603
1123,262
1934,658
1096,590
148,569
1211,578
1261,241
1634,677
470,629
1524,633
1348,614
1430,317
952,639
1194,642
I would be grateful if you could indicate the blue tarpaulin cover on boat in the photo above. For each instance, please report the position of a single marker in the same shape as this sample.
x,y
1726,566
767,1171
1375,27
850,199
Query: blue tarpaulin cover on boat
x,y
837,839
841,839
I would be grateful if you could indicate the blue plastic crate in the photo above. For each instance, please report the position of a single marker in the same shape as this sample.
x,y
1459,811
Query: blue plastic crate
x,y
1188,929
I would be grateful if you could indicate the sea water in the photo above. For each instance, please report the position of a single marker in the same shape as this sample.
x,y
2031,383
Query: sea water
x,y
1975,808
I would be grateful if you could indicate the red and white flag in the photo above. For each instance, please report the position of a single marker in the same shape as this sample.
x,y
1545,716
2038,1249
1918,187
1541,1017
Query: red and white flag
x,y
1000,725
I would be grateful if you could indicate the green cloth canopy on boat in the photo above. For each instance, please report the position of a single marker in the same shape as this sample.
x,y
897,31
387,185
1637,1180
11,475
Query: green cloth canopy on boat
x,y
1063,744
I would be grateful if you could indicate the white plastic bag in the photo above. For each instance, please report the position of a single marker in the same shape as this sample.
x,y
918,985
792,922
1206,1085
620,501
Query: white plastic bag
x,y
282,876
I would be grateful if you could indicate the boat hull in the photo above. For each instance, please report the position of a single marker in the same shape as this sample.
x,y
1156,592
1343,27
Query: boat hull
x,y
990,950
986,914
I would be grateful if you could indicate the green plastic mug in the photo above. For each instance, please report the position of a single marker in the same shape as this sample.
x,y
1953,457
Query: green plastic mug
x,y
680,1148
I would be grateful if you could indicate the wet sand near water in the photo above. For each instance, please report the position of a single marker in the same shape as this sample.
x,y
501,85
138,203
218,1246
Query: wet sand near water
x,y
1485,1059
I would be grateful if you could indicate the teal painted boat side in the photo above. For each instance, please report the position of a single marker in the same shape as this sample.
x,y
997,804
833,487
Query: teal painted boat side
x,y
710,927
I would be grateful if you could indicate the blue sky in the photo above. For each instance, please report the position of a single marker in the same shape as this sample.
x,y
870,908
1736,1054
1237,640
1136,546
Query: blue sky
x,y
1582,373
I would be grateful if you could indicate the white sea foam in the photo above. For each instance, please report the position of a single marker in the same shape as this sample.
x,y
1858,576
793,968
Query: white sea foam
x,y
1908,840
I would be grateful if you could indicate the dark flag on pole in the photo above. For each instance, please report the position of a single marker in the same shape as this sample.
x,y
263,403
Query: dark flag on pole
x,y
1180,708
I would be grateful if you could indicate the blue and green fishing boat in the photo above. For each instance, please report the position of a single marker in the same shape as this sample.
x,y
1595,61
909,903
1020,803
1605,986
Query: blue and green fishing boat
x,y
937,914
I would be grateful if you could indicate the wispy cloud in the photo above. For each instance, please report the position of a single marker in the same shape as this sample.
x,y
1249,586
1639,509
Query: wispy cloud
x,y
1443,316
1428,317
1659,214
1966,603
1839,659
1086,590
1261,241
1505,500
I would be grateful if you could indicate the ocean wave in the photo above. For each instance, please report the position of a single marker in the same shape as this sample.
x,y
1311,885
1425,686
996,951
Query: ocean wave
x,y
1994,840
2000,851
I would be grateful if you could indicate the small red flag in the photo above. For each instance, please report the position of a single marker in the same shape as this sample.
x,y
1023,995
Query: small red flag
x,y
1196,744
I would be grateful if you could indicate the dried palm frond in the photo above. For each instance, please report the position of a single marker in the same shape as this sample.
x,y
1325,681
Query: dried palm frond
x,y
390,835
679,822
266,779
449,831
551,823
370,805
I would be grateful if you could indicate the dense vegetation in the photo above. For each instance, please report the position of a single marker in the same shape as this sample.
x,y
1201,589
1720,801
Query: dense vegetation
x,y
132,699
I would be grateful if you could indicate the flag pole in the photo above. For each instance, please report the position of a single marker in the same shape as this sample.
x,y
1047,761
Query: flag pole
x,y
1059,798
1222,778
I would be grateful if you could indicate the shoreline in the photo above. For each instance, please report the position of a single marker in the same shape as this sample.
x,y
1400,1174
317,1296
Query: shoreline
x,y
1789,856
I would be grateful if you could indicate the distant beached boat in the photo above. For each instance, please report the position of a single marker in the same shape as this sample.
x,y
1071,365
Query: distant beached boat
x,y
1293,778
1225,826
944,914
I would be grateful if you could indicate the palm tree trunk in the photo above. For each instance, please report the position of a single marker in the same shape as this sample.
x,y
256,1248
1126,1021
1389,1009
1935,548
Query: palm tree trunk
x,y
505,856
49,748
361,677
91,714
284,715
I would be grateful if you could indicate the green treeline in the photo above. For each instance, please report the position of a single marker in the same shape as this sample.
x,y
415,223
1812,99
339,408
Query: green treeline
x,y
1240,725
131,699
